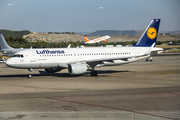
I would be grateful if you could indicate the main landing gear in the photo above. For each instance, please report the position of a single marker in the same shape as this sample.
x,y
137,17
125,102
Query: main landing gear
x,y
149,59
30,71
93,73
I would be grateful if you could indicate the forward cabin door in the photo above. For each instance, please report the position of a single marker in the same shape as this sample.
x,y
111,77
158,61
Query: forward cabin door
x,y
32,56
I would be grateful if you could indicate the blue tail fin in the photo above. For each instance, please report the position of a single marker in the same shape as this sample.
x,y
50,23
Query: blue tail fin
x,y
150,35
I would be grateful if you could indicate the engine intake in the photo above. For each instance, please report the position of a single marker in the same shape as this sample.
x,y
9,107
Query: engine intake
x,y
76,69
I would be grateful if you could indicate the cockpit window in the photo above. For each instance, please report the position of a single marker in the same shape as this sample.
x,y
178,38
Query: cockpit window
x,y
18,55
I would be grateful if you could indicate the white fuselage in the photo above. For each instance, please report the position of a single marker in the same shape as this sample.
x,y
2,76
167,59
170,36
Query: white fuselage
x,y
61,57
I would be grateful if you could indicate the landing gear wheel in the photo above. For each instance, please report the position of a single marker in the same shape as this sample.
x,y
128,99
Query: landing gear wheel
x,y
149,59
29,76
93,73
30,71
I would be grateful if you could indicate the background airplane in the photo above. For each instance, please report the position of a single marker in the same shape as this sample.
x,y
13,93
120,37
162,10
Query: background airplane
x,y
79,60
5,48
104,38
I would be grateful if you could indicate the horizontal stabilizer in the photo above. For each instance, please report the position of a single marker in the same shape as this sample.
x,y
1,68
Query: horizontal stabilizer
x,y
150,49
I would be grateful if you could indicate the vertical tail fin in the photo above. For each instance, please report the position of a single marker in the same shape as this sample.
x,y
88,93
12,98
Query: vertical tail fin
x,y
150,34
86,39
3,43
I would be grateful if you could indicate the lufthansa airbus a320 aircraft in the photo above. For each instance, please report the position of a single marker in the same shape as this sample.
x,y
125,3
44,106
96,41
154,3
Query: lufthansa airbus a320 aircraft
x,y
79,60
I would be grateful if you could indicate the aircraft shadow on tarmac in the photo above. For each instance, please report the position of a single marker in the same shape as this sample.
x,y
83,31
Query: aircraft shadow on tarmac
x,y
43,73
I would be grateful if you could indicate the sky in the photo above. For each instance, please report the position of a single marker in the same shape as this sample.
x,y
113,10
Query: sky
x,y
87,15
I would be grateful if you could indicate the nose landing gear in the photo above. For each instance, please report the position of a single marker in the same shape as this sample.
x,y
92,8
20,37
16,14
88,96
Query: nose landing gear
x,y
30,71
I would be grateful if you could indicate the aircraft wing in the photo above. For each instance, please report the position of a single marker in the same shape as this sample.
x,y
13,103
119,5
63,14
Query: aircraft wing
x,y
95,61
108,59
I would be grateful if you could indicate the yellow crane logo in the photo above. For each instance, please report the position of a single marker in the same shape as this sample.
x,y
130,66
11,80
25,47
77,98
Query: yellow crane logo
x,y
151,33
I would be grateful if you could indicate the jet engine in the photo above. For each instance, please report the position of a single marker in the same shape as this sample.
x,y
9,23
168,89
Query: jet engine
x,y
53,70
77,68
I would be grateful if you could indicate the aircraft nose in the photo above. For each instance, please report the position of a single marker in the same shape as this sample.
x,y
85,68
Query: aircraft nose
x,y
9,62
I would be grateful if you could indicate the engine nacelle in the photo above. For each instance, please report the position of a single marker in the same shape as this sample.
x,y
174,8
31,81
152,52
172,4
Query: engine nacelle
x,y
53,70
76,69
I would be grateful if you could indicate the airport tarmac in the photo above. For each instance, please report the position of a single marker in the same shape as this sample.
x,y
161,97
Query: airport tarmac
x,y
135,91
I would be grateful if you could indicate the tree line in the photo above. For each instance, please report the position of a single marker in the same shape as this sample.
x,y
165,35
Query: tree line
x,y
14,34
19,42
